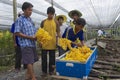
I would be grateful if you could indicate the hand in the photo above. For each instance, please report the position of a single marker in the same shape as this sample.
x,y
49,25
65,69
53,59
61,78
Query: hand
x,y
15,45
33,38
78,44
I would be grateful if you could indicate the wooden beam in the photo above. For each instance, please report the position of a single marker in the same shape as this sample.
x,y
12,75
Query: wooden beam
x,y
101,44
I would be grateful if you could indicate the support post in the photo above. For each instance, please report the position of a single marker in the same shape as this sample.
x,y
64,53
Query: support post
x,y
14,10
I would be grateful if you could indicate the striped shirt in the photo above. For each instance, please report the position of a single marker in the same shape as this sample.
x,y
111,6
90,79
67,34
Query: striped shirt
x,y
26,26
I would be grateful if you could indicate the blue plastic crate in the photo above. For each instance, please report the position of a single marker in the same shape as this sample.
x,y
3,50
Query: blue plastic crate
x,y
75,69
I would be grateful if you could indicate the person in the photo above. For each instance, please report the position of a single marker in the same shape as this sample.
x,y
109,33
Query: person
x,y
100,33
74,14
25,30
76,34
52,27
18,54
61,19
104,33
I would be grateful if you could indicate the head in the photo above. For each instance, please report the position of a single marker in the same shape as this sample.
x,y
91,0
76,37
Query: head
x,y
27,9
75,15
50,12
60,19
80,23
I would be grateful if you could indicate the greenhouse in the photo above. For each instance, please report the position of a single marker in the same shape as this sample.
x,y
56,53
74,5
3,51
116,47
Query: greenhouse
x,y
59,39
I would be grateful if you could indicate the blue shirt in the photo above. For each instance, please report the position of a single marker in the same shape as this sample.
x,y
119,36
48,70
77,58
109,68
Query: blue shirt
x,y
71,35
26,26
12,31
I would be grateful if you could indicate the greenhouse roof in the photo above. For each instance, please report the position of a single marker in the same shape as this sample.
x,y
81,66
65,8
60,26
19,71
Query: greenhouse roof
x,y
98,13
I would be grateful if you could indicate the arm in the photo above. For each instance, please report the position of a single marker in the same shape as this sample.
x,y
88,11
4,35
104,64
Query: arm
x,y
25,36
18,29
42,23
13,35
79,44
82,43
81,38
58,29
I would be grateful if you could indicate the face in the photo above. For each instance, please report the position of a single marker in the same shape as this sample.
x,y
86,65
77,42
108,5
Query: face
x,y
60,21
50,15
78,27
28,12
75,17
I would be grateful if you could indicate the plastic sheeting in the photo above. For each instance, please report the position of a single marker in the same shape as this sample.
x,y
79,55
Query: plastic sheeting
x,y
98,13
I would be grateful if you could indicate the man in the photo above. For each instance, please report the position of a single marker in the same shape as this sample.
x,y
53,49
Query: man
x,y
52,27
100,33
25,29
18,55
76,34
61,19
74,14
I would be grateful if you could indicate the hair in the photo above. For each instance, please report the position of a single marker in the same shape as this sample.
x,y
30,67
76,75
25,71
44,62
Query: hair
x,y
26,5
80,21
50,10
60,17
20,13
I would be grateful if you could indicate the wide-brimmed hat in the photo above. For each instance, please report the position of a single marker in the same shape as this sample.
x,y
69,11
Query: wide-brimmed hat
x,y
74,12
64,17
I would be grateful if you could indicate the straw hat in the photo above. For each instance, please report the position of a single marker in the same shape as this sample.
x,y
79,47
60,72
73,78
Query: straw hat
x,y
64,17
74,12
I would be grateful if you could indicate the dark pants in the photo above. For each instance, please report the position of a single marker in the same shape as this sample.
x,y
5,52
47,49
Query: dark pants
x,y
18,57
61,50
51,60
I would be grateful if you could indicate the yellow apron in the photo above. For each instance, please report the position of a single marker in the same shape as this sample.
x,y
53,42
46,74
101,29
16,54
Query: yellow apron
x,y
72,25
50,27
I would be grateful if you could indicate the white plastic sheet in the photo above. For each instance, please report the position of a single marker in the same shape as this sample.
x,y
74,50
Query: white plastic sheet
x,y
98,13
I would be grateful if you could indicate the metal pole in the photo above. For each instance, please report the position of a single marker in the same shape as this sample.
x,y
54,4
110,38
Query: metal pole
x,y
15,9
52,3
57,5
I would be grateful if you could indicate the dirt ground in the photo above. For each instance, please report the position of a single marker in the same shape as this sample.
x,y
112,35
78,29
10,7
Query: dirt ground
x,y
107,66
